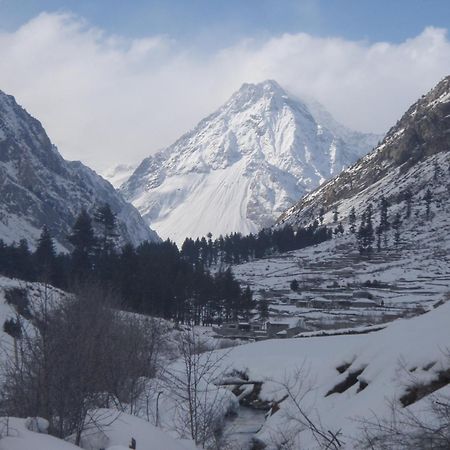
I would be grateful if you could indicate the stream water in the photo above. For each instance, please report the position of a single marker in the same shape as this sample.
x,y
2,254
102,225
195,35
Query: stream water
x,y
240,429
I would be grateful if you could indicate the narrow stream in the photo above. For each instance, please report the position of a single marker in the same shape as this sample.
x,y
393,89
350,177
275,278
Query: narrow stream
x,y
240,429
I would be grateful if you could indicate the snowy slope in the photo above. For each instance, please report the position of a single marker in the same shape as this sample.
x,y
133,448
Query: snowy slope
x,y
116,435
239,168
117,427
20,438
403,160
37,186
407,353
35,292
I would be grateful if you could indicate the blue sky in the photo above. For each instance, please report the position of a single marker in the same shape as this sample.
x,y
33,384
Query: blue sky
x,y
113,81
215,23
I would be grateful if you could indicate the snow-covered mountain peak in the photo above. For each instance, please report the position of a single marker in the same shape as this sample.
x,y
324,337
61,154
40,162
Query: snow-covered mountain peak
x,y
269,93
250,159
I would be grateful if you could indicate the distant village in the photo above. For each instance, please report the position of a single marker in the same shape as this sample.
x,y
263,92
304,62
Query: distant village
x,y
280,327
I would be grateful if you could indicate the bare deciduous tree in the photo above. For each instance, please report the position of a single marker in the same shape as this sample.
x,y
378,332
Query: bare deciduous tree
x,y
191,383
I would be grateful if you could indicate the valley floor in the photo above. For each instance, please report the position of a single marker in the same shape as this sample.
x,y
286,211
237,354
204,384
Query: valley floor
x,y
339,288
336,373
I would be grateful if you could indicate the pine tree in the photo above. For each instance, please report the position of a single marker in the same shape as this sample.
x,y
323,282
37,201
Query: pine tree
x,y
396,224
321,214
384,221
407,195
45,256
428,198
247,302
339,229
294,285
436,172
20,261
210,249
263,309
83,241
352,220
335,214
365,234
360,234
369,213
369,234
230,292
107,224
378,232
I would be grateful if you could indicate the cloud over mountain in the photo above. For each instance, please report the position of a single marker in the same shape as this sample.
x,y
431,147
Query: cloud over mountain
x,y
108,99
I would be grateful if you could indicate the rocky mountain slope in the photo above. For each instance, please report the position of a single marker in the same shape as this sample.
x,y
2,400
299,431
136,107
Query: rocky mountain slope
x,y
416,146
242,166
37,186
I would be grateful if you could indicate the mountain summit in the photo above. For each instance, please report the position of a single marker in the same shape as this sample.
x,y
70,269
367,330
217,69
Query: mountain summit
x,y
243,165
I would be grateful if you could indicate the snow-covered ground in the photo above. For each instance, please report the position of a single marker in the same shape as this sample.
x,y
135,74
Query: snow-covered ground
x,y
35,291
384,364
117,432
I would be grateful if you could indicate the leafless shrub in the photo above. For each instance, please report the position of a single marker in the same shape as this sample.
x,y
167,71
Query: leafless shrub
x,y
79,354
137,344
427,429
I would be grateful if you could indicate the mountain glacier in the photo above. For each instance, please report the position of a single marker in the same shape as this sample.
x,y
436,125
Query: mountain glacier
x,y
243,165
38,187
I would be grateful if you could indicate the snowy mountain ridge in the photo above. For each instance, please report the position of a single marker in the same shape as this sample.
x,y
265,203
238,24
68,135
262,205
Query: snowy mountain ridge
x,y
414,149
38,187
250,159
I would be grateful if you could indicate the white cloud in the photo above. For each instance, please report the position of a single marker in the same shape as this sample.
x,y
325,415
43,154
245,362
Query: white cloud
x,y
106,99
